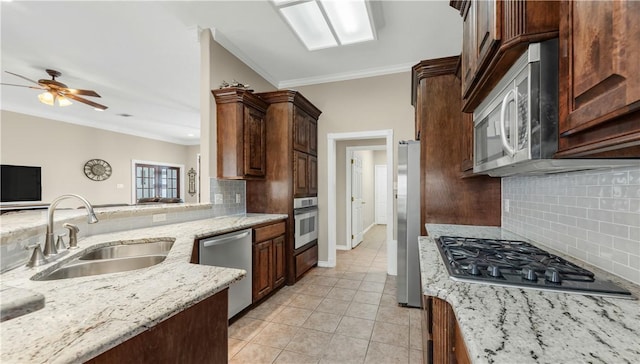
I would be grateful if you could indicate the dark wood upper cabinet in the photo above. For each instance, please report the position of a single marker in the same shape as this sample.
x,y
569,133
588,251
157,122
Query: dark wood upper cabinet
x,y
241,134
495,33
599,73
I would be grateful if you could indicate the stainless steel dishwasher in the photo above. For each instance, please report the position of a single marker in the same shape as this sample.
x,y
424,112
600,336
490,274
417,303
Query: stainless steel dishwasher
x,y
231,250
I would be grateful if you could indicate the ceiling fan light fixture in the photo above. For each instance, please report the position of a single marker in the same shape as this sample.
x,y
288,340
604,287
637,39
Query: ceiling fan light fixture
x,y
47,98
63,101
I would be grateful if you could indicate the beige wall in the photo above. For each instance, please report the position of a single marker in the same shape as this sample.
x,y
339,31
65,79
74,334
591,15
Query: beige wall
x,y
218,64
373,103
342,203
62,149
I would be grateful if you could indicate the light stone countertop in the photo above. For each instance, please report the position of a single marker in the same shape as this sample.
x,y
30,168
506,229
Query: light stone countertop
x,y
517,325
86,316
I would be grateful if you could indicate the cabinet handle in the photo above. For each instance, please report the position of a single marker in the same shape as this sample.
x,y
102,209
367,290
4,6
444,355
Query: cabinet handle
x,y
213,242
511,96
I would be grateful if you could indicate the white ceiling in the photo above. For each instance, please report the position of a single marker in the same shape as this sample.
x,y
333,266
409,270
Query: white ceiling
x,y
143,58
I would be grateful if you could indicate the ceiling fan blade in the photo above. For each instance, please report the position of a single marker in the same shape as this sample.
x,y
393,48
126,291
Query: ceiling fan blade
x,y
82,92
24,78
85,101
13,84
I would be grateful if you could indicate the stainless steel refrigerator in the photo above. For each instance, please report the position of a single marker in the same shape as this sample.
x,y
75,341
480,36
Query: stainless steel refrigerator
x,y
408,205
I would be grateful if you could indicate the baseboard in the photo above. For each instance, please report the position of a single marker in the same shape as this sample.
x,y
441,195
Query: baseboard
x,y
369,228
342,247
326,264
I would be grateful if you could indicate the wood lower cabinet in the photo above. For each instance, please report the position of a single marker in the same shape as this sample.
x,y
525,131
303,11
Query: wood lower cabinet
x,y
599,94
195,335
268,259
306,260
241,134
442,339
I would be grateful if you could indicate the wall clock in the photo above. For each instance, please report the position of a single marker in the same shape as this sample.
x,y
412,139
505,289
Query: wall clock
x,y
97,170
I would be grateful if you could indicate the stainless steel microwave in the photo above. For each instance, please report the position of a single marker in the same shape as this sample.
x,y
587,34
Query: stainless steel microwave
x,y
516,126
518,121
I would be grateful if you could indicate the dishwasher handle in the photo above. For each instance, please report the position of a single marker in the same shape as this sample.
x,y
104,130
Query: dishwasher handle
x,y
227,239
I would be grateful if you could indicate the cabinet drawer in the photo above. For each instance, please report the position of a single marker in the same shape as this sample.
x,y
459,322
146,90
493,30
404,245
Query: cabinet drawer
x,y
306,260
268,232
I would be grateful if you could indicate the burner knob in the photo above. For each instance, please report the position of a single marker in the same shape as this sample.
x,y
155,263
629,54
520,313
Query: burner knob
x,y
473,269
494,271
529,274
552,275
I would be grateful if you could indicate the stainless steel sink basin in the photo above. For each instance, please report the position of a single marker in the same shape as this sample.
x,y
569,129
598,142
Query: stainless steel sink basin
x,y
130,250
111,259
83,268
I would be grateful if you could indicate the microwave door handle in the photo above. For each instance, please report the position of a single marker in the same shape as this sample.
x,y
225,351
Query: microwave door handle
x,y
510,96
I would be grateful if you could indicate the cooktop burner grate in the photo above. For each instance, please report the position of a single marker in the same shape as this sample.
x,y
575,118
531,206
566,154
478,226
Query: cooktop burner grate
x,y
518,263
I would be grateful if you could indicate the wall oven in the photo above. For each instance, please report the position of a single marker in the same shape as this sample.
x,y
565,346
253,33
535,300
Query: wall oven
x,y
305,215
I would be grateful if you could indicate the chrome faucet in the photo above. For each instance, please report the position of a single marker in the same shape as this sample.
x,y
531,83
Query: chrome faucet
x,y
49,244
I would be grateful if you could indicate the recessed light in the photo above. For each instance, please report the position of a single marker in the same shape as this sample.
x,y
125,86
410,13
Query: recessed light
x,y
125,115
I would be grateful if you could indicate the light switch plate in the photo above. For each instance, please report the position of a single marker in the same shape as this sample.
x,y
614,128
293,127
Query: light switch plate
x,y
506,205
238,198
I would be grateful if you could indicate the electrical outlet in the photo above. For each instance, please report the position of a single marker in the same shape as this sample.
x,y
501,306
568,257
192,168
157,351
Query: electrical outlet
x,y
506,205
159,217
238,198
218,199
120,186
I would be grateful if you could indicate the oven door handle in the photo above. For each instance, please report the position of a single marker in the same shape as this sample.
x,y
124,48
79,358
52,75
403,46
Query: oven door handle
x,y
305,210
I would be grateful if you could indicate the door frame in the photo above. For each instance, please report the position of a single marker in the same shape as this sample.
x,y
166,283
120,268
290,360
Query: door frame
x,y
332,139
349,154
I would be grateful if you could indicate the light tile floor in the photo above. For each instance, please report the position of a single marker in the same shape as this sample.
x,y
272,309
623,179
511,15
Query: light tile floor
x,y
346,314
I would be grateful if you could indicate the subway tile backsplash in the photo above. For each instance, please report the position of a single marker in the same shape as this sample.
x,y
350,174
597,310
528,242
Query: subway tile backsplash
x,y
228,189
591,215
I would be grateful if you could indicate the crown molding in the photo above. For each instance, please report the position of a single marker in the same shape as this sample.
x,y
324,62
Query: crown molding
x,y
346,76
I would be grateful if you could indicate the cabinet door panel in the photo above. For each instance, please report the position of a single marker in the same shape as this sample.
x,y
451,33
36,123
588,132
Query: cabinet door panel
x,y
254,142
300,174
469,55
601,60
313,175
313,137
487,29
278,261
300,131
262,269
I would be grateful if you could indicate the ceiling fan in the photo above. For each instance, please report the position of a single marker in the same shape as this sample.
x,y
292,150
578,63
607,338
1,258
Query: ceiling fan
x,y
55,90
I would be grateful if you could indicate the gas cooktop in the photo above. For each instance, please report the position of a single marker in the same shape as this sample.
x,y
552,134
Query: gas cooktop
x,y
520,264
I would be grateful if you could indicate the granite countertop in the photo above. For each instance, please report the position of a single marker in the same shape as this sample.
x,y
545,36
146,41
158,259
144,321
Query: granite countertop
x,y
86,316
516,325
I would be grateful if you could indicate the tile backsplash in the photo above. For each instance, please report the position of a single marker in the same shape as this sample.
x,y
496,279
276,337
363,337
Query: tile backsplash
x,y
230,190
591,215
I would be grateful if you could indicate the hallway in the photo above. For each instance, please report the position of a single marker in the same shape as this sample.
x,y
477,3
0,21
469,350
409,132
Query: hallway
x,y
346,314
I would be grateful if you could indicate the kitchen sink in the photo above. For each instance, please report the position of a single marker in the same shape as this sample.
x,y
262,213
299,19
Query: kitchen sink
x,y
78,268
111,259
129,250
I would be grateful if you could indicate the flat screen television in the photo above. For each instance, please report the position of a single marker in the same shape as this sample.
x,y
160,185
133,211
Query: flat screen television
x,y
20,183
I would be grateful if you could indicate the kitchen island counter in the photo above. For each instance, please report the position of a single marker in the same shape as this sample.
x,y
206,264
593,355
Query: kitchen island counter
x,y
83,317
515,325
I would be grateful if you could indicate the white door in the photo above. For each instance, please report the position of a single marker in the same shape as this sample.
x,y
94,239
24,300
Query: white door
x,y
357,219
381,194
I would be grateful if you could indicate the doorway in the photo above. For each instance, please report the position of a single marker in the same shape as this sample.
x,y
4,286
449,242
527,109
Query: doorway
x,y
332,139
